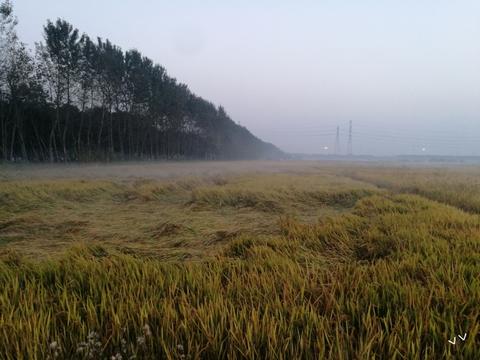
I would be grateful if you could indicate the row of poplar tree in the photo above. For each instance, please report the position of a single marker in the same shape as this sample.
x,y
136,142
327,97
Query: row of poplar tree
x,y
78,99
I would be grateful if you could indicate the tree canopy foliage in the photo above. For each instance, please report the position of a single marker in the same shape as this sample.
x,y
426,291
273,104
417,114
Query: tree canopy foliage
x,y
83,99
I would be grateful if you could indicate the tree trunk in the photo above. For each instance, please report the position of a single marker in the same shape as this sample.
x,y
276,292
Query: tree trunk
x,y
111,150
80,129
64,136
3,130
99,139
12,142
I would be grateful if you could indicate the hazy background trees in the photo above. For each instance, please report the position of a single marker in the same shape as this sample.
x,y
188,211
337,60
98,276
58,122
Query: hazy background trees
x,y
79,99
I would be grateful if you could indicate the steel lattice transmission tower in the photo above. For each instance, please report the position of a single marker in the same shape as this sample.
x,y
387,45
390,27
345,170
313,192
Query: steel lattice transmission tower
x,y
349,149
337,142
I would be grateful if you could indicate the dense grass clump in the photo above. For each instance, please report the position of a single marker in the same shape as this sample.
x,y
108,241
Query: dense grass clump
x,y
380,275
459,187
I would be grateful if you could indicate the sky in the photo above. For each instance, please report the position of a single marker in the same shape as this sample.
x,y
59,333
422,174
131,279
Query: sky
x,y
405,72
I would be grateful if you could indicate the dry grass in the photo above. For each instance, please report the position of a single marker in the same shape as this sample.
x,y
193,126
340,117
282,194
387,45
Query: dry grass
x,y
459,187
158,218
313,264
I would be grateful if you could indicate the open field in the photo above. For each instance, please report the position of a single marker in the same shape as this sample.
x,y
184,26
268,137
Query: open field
x,y
239,260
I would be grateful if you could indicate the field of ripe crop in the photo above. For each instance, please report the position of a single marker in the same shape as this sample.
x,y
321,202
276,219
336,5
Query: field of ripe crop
x,y
308,260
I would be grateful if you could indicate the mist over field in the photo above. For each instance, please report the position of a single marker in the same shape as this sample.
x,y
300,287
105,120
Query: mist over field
x,y
150,170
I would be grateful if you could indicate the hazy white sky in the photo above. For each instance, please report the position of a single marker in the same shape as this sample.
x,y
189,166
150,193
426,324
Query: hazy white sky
x,y
406,72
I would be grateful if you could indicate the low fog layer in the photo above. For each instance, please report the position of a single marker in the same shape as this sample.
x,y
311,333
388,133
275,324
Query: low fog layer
x,y
150,170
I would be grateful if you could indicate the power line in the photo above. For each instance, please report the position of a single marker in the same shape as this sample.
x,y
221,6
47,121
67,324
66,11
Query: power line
x,y
433,135
390,136
337,142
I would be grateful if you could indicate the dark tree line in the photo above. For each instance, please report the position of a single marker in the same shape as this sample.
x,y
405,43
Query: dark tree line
x,y
83,99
